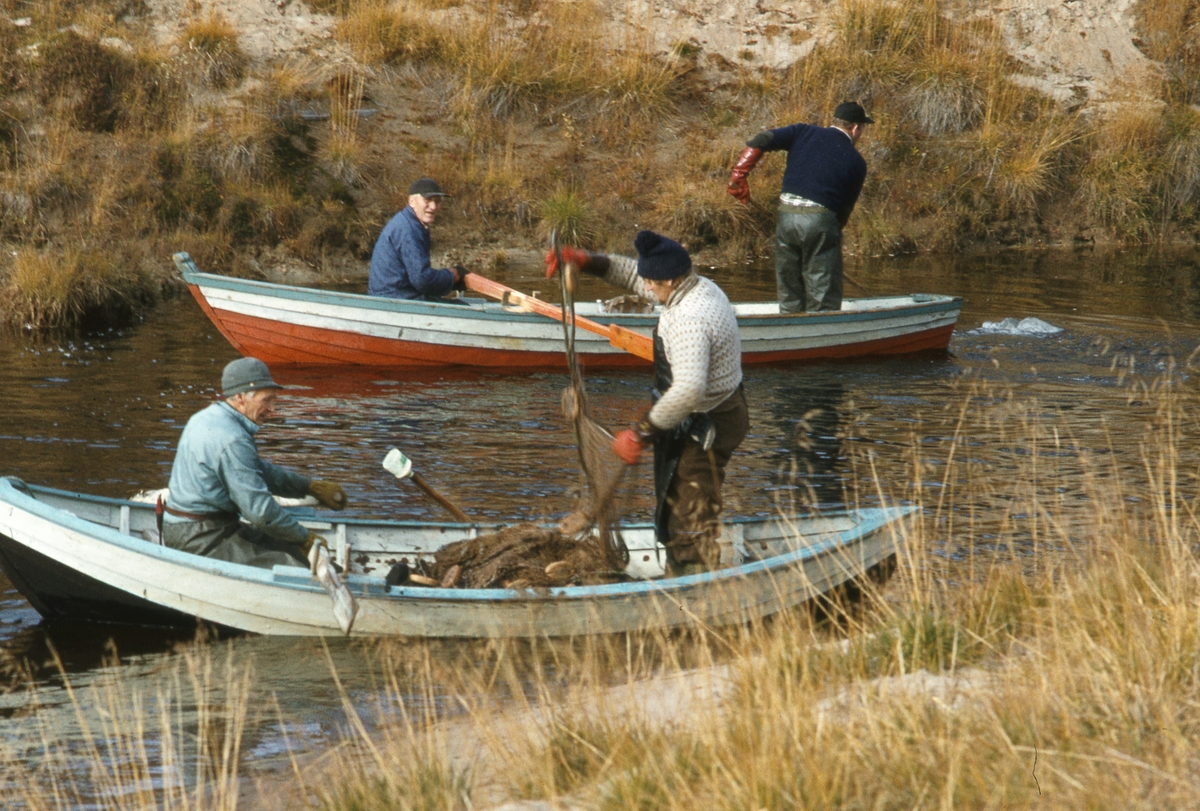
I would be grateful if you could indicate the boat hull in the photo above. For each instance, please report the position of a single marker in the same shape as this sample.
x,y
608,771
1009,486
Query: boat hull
x,y
86,557
282,324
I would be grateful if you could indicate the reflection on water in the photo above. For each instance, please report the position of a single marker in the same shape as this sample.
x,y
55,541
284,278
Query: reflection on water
x,y
808,420
103,415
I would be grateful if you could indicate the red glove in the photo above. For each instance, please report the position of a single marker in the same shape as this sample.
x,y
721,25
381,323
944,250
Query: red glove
x,y
570,256
738,186
630,443
628,446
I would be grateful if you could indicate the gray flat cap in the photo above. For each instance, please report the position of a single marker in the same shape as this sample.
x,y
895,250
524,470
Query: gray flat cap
x,y
246,374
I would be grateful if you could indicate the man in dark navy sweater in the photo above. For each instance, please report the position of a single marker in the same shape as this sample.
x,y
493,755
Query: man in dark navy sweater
x,y
821,184
400,265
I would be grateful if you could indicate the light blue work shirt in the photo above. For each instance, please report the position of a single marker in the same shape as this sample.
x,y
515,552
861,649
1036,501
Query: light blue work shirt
x,y
217,469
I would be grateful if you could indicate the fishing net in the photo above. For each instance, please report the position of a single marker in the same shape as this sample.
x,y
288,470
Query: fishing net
x,y
587,546
602,471
522,556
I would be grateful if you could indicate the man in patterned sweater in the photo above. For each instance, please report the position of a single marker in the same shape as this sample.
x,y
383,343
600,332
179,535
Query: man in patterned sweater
x,y
699,415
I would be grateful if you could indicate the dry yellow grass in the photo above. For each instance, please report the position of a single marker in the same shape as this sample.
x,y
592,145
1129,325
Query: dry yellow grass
x,y
213,41
1054,663
343,152
516,100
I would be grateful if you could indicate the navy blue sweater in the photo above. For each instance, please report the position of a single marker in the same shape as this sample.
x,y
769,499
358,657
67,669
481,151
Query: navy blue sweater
x,y
822,166
400,263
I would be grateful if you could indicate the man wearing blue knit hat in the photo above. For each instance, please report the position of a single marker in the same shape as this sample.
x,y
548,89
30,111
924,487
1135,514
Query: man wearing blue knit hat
x,y
821,183
698,414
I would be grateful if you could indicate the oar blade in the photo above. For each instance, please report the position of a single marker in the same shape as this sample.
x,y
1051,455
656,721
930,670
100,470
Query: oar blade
x,y
397,463
345,607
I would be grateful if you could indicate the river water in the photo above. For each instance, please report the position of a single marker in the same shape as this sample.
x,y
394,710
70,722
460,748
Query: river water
x,y
101,414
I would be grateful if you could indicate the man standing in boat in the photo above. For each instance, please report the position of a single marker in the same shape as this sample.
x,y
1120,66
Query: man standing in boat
x,y
698,414
218,481
821,183
400,265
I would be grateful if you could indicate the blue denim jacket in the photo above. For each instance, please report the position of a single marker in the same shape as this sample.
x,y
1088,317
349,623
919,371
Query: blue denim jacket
x,y
400,262
217,469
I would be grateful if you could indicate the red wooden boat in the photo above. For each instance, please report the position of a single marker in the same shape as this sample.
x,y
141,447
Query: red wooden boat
x,y
283,324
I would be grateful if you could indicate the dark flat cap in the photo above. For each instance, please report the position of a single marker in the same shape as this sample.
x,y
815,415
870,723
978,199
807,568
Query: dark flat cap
x,y
853,113
246,374
426,187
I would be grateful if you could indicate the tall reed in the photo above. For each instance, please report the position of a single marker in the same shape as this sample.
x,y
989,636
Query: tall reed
x,y
1037,647
174,747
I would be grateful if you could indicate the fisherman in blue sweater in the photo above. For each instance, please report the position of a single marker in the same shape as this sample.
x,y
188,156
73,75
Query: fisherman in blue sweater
x,y
400,265
821,183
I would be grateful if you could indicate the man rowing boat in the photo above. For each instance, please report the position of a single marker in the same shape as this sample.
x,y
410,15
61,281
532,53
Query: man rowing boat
x,y
400,265
698,414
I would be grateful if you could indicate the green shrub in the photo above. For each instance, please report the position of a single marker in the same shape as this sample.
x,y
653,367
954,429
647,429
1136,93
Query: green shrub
x,y
567,214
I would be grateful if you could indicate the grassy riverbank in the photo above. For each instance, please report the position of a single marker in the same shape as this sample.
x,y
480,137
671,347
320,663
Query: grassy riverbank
x,y
1044,656
124,138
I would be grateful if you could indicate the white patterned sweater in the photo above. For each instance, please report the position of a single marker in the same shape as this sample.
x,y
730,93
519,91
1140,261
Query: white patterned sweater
x,y
700,336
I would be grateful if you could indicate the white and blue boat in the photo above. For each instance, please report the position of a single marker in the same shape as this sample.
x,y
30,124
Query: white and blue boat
x,y
85,557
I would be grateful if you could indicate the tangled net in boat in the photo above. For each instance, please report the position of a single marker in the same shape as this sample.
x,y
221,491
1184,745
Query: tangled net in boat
x,y
584,549
523,556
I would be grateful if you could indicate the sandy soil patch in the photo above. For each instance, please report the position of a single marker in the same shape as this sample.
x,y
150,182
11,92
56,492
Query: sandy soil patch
x,y
656,703
267,29
1073,49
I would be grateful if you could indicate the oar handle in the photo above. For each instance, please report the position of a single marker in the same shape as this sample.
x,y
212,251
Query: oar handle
x,y
439,498
626,339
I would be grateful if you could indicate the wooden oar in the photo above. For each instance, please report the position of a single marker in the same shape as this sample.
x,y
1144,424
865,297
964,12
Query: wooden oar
x,y
400,466
624,339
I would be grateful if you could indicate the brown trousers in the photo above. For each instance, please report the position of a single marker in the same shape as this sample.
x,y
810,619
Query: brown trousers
x,y
693,498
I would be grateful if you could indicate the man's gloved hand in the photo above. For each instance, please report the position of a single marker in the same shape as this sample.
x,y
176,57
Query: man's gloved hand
x,y
312,540
629,444
593,264
460,277
330,494
738,186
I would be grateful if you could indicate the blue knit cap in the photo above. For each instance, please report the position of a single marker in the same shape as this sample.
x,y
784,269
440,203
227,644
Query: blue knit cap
x,y
660,258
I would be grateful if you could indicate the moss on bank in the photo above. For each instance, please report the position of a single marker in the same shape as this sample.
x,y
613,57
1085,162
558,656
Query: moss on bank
x,y
116,145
